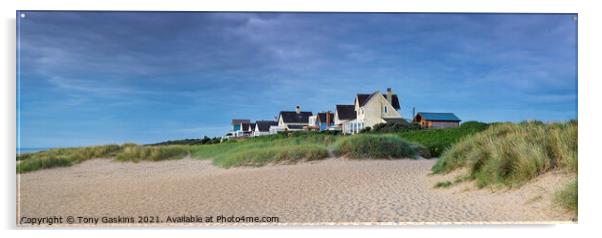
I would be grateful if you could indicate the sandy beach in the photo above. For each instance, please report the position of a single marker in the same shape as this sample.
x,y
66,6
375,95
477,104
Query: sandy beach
x,y
333,190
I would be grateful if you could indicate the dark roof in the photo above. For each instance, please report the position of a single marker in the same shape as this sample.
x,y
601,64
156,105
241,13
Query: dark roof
x,y
252,127
322,117
245,126
363,98
295,126
238,121
346,112
438,116
294,117
265,125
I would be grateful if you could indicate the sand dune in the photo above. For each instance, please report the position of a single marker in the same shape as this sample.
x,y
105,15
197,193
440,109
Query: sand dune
x,y
334,190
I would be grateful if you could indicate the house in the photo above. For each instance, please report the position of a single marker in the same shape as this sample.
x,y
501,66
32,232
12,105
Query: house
x,y
325,120
343,113
293,120
372,109
263,127
436,120
237,126
245,129
313,124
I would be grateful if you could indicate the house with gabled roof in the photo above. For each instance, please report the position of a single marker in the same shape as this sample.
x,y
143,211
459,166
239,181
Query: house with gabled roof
x,y
342,114
239,126
372,109
437,119
263,127
293,120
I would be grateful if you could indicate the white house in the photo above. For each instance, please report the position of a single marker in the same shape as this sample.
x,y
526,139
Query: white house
x,y
263,127
294,120
343,113
372,109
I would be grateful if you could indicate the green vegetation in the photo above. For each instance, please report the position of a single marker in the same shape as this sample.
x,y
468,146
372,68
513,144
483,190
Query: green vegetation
x,y
203,141
567,197
443,184
258,151
512,154
68,156
438,140
394,127
265,155
42,163
373,146
137,153
63,157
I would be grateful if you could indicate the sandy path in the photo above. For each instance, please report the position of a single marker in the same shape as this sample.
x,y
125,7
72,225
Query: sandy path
x,y
334,190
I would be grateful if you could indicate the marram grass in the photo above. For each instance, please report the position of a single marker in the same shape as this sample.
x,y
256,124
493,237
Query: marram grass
x,y
68,156
512,154
374,146
278,154
567,197
63,157
137,153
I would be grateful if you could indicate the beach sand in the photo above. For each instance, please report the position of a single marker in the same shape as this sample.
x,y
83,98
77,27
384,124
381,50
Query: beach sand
x,y
333,190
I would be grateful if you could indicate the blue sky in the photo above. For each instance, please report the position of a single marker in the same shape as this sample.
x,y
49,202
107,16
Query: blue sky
x,y
111,77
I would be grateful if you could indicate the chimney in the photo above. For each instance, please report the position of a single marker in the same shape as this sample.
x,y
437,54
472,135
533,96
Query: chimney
x,y
298,109
390,96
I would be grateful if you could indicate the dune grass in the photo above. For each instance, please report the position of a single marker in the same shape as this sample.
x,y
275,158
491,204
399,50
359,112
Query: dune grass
x,y
374,146
278,154
512,154
63,157
69,156
42,163
136,153
258,151
438,140
567,197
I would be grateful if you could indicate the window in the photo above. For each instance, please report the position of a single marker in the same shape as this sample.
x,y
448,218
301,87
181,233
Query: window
x,y
385,109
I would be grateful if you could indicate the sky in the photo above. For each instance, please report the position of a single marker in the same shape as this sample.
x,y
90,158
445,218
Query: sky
x,y
89,78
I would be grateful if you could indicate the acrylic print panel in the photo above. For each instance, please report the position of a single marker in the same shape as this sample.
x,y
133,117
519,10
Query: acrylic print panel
x,y
256,118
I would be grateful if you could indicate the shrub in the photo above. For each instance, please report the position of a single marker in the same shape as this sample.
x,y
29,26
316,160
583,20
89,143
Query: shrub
x,y
365,129
512,154
374,146
395,126
567,197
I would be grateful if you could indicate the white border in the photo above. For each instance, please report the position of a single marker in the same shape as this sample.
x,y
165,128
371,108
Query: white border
x,y
589,113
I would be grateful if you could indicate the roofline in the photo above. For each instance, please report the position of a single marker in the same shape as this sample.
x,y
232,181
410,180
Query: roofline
x,y
444,120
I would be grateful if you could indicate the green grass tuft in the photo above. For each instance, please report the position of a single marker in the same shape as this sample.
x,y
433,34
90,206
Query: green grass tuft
x,y
443,184
43,163
137,153
264,155
567,197
438,140
374,146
